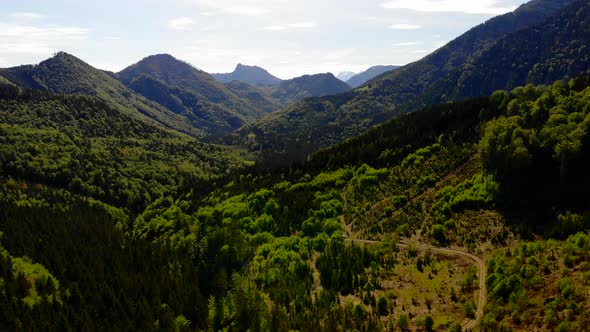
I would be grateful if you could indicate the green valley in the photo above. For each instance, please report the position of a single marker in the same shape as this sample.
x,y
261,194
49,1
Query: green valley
x,y
449,194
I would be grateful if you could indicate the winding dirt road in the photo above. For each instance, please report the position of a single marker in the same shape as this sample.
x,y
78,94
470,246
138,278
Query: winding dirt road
x,y
471,323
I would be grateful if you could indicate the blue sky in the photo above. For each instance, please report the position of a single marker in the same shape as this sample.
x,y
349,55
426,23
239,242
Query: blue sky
x,y
287,37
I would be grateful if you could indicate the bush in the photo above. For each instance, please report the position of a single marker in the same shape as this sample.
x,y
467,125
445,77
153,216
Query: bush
x,y
382,306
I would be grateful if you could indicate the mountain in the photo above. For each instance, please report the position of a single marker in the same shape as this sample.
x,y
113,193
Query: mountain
x,y
362,78
211,118
299,88
345,75
255,95
555,49
252,75
5,81
178,74
310,124
67,74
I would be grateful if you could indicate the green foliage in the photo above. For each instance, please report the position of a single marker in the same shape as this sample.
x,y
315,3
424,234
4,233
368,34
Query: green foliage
x,y
539,153
382,306
516,281
30,282
68,232
479,192
84,145
340,266
403,322
456,327
428,323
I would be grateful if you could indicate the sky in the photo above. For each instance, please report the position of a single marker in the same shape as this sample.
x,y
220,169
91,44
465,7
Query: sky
x,y
289,38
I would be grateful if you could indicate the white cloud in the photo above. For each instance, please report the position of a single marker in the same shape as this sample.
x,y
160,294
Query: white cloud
x,y
405,27
275,28
488,7
112,38
302,25
241,7
25,32
27,16
408,44
25,48
181,23
18,39
292,26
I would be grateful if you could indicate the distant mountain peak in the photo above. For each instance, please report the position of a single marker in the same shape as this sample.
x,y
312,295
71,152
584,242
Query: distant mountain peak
x,y
345,75
63,56
369,74
243,66
252,75
161,56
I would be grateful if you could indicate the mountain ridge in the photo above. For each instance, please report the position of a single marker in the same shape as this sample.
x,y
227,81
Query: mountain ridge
x,y
67,74
252,75
316,85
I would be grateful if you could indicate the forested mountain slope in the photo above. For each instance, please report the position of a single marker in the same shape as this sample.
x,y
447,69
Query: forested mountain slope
x,y
178,74
67,74
318,122
200,113
541,54
87,146
299,88
256,95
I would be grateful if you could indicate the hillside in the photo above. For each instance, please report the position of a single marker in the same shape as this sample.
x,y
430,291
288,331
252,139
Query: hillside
x,y
251,75
210,118
90,148
256,96
299,88
480,176
546,52
178,74
369,74
67,74
313,123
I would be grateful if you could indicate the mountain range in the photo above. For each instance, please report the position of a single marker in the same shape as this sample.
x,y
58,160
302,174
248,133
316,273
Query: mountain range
x,y
171,92
66,74
283,92
319,122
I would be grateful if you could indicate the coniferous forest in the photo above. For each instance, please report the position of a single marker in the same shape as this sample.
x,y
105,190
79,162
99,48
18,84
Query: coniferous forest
x,y
162,198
